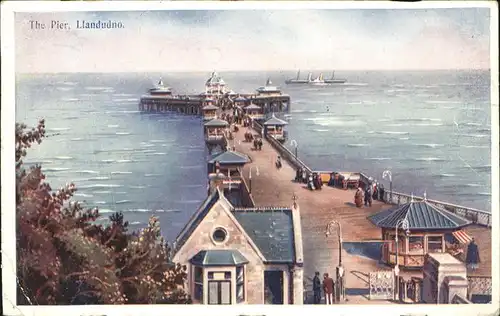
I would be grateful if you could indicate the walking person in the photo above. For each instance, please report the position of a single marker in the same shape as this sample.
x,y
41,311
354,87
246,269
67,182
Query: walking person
x,y
368,195
472,258
317,288
328,286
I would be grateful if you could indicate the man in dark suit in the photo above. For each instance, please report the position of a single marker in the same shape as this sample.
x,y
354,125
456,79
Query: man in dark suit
x,y
317,288
328,286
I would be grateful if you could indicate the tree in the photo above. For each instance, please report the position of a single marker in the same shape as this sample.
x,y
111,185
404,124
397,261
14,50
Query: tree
x,y
64,257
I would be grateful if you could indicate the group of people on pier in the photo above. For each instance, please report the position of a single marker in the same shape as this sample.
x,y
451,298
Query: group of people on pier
x,y
328,287
372,191
313,180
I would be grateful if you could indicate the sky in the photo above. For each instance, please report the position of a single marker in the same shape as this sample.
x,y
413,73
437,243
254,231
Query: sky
x,y
190,40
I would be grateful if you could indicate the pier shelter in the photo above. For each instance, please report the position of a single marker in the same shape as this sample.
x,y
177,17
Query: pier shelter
x,y
269,90
209,112
254,112
425,231
240,255
229,163
240,102
215,130
274,127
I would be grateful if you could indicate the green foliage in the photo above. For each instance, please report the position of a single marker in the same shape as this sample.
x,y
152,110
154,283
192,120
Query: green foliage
x,y
64,257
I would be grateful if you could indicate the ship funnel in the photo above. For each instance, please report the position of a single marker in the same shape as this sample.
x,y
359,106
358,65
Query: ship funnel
x,y
268,82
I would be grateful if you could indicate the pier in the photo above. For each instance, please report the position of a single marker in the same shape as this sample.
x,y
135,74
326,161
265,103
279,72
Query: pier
x,y
275,187
337,237
161,99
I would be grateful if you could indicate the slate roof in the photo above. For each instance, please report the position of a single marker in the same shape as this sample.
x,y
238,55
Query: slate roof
x,y
421,215
271,230
197,218
217,123
218,257
240,99
252,107
210,107
275,121
229,158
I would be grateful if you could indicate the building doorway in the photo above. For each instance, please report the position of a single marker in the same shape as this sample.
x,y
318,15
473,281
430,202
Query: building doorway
x,y
273,287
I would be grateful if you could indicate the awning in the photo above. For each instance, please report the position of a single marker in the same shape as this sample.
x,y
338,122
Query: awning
x,y
462,237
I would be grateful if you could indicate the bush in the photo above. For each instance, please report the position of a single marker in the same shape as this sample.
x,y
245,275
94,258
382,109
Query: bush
x,y
64,257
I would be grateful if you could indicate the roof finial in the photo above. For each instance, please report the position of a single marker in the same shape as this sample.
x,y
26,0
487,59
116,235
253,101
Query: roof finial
x,y
425,195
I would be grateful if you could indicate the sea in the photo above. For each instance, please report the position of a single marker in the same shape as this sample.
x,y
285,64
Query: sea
x,y
431,129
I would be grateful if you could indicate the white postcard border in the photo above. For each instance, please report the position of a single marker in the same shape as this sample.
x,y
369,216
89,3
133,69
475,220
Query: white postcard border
x,y
8,173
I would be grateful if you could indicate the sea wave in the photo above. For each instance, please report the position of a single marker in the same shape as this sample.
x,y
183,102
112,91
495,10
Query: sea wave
x,y
429,159
445,175
321,130
126,100
83,194
378,158
393,133
192,167
58,129
474,135
98,178
192,185
152,175
188,201
101,185
122,133
123,201
56,169
304,111
121,172
442,102
357,145
474,146
113,125
430,145
63,158
137,186
87,171
100,202
93,88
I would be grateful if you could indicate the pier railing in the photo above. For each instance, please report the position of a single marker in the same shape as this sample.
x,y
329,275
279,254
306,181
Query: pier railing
x,y
476,216
284,152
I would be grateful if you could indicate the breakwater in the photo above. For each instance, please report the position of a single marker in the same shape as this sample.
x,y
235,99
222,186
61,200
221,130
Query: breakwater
x,y
478,217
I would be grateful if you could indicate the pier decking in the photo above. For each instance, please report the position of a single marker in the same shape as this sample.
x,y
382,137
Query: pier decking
x,y
275,188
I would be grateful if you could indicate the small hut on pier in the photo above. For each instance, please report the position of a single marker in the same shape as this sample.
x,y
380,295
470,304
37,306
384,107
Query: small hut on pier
x,y
229,163
427,226
209,112
254,112
274,127
240,102
215,130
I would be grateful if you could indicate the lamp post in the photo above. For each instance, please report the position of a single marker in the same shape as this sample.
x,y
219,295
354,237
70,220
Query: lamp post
x,y
293,142
387,174
403,223
250,177
340,269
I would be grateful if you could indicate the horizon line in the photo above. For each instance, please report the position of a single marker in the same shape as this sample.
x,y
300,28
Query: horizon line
x,y
255,70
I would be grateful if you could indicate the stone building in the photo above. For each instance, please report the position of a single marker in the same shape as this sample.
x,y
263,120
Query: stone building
x,y
242,255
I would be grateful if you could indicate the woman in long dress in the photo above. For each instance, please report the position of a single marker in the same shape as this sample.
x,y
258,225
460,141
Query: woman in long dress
x,y
358,198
